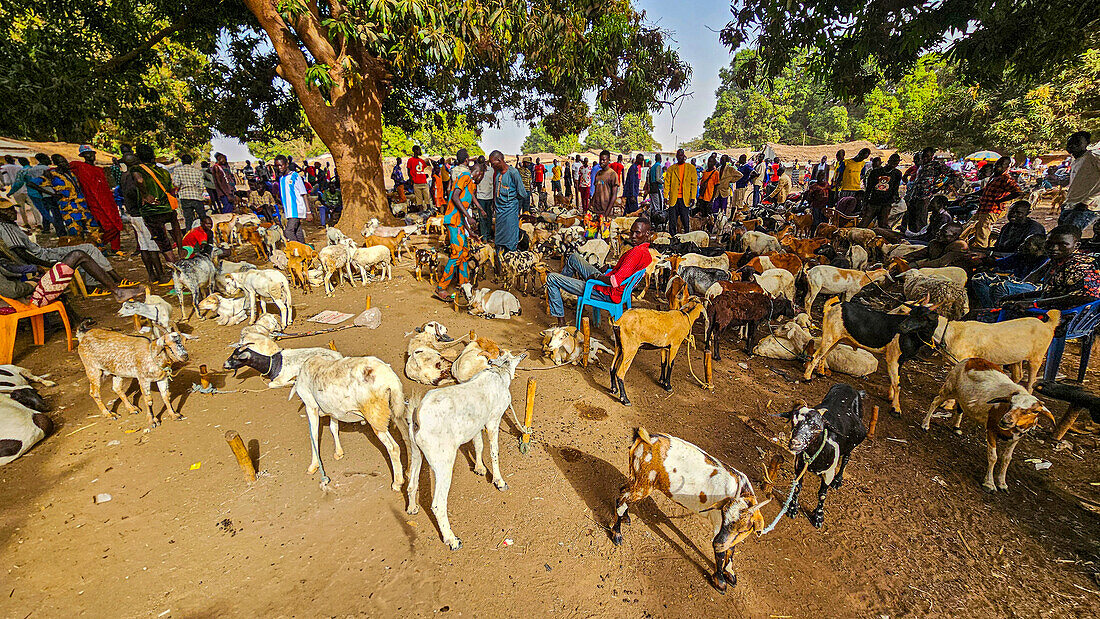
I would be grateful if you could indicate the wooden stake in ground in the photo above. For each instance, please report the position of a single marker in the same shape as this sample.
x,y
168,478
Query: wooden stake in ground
x,y
203,380
586,341
529,411
243,459
368,303
332,345
874,422
708,368
473,336
546,297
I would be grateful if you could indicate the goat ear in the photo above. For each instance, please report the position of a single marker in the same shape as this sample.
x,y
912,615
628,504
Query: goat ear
x,y
1004,399
789,414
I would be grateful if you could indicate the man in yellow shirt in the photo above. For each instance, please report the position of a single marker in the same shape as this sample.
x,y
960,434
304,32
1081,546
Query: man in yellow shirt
x,y
851,178
681,185
555,178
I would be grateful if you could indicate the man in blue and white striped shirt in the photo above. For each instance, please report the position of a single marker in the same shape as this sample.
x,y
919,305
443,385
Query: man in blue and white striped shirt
x,y
292,191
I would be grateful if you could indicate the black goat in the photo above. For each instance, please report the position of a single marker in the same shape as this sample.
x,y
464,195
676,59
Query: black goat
x,y
899,336
740,307
822,439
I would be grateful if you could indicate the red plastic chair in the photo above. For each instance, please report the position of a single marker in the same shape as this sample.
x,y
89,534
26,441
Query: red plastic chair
x,y
9,324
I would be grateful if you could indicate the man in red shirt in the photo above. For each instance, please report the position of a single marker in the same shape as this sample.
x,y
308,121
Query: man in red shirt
x,y
574,276
98,195
619,167
199,235
540,186
418,173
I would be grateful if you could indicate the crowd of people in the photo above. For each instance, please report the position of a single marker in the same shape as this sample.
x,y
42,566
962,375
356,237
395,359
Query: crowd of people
x,y
87,207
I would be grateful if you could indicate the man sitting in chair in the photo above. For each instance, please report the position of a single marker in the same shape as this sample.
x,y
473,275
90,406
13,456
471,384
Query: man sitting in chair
x,y
576,272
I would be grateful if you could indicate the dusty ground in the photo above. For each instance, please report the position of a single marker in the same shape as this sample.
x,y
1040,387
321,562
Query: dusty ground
x,y
910,533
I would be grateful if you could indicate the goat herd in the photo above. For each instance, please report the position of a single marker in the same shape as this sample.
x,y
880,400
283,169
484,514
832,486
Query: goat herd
x,y
741,273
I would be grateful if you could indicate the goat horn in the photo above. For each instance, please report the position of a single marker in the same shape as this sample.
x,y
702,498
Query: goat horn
x,y
756,508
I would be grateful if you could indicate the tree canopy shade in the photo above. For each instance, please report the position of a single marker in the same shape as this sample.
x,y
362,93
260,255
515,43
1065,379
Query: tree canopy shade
x,y
620,133
859,43
539,140
354,63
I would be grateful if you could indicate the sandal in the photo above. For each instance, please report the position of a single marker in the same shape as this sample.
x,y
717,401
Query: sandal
x,y
165,284
99,292
125,283
442,296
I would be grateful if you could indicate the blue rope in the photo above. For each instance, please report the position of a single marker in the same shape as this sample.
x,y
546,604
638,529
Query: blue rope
x,y
794,484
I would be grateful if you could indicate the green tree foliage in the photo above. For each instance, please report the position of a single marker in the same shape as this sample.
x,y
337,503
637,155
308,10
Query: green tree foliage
x,y
299,148
443,136
859,45
1006,117
620,133
539,140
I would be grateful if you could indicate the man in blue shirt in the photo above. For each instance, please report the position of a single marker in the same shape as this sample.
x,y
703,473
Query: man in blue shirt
x,y
657,186
741,187
508,191
630,185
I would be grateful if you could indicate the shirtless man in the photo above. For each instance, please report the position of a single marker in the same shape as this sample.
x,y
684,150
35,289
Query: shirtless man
x,y
605,192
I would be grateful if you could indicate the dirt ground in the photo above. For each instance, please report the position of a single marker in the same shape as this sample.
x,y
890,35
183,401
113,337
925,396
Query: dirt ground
x,y
911,534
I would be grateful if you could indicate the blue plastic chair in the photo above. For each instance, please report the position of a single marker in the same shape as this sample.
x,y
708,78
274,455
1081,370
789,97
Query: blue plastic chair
x,y
1082,322
614,309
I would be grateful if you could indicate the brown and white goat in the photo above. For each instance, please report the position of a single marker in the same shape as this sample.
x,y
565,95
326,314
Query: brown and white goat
x,y
122,356
987,395
1005,343
691,477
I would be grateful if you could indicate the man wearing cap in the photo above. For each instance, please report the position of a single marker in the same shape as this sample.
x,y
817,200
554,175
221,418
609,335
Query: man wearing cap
x,y
98,196
62,261
508,191
459,223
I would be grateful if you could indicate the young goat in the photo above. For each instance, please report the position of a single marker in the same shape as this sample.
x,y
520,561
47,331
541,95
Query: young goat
x,y
449,417
123,356
987,395
691,477
664,330
743,308
822,439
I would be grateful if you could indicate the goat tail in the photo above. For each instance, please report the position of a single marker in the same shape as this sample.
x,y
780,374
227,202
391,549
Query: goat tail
x,y
411,410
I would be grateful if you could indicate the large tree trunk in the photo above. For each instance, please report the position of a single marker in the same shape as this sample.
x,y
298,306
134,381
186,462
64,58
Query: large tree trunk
x,y
350,123
352,130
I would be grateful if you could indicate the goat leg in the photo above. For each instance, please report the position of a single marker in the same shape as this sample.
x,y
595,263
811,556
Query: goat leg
x,y
147,397
479,446
838,479
165,394
625,401
817,517
622,507
723,558
792,509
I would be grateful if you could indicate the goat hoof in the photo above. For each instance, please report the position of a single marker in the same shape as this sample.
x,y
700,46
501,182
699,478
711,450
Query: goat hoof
x,y
719,582
396,485
895,413
338,455
624,400
502,486
616,538
480,471
413,510
959,431
1002,486
838,482
312,469
455,544
989,488
817,518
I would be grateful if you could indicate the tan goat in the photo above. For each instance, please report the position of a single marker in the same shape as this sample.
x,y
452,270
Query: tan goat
x,y
664,330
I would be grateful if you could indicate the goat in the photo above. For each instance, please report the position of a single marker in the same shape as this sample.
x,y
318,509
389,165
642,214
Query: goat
x,y
519,265
366,258
299,259
759,242
691,477
699,237
279,366
788,262
193,274
950,295
832,280
351,389
563,345
1005,343
250,235
742,308
155,309
427,366
791,340
394,243
335,260
777,283
900,337
335,236
897,266
594,252
475,357
272,236
15,382
830,432
700,280
491,303
21,427
987,395
120,356
226,267
803,223
664,330
449,417
803,248
230,310
259,285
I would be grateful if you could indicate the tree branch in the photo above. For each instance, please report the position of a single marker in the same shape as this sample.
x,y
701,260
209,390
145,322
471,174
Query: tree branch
x,y
118,62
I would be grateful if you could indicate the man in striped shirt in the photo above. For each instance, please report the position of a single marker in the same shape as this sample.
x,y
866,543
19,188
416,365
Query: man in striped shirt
x,y
292,190
188,182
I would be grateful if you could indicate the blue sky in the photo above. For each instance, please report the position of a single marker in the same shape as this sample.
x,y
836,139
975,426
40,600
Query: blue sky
x,y
693,27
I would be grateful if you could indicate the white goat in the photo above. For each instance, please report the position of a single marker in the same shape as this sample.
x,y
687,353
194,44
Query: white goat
x,y
230,310
491,303
366,258
262,284
449,417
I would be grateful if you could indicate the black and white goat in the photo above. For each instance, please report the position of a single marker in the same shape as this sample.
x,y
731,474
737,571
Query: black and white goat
x,y
822,440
